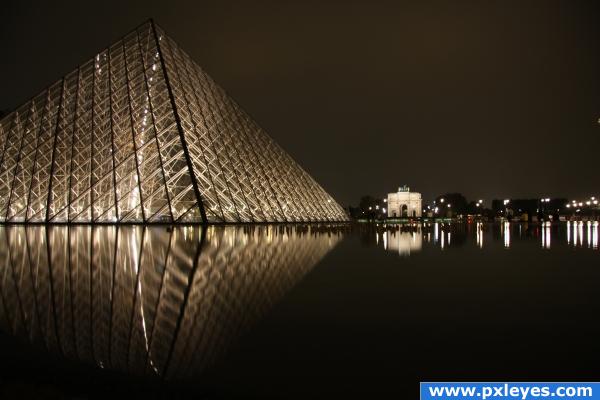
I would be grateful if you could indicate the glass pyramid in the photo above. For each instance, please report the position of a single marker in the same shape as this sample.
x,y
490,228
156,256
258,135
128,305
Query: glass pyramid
x,y
140,133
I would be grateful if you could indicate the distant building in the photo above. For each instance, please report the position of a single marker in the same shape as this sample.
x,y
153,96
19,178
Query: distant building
x,y
404,203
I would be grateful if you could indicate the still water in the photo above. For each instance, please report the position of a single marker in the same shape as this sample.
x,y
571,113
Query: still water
x,y
294,311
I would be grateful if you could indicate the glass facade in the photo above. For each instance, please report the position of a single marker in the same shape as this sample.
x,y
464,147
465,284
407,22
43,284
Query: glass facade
x,y
141,133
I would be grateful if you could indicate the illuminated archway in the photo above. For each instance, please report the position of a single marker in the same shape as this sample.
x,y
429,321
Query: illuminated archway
x,y
404,210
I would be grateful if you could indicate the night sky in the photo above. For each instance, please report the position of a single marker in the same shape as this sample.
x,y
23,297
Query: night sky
x,y
493,99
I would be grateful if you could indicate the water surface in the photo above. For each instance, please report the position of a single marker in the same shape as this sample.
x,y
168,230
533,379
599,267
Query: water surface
x,y
294,311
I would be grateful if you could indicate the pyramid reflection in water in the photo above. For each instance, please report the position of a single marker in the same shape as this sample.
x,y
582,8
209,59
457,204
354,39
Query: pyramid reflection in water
x,y
146,300
140,133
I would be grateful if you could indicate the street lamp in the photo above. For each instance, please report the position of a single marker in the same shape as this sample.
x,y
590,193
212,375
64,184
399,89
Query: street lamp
x,y
505,211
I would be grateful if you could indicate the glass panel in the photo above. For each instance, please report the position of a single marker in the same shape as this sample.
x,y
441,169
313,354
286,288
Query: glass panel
x,y
17,207
63,146
80,195
40,179
11,155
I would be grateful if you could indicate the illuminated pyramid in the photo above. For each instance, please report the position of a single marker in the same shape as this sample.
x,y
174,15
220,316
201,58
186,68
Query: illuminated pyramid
x,y
140,133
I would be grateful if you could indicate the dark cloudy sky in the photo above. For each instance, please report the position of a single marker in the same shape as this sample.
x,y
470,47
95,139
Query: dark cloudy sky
x,y
488,98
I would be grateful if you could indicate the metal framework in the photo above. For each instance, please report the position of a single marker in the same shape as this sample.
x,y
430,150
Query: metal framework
x,y
140,133
145,300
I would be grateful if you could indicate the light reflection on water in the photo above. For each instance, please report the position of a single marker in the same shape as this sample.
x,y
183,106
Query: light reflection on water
x,y
408,239
578,237
403,242
148,300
